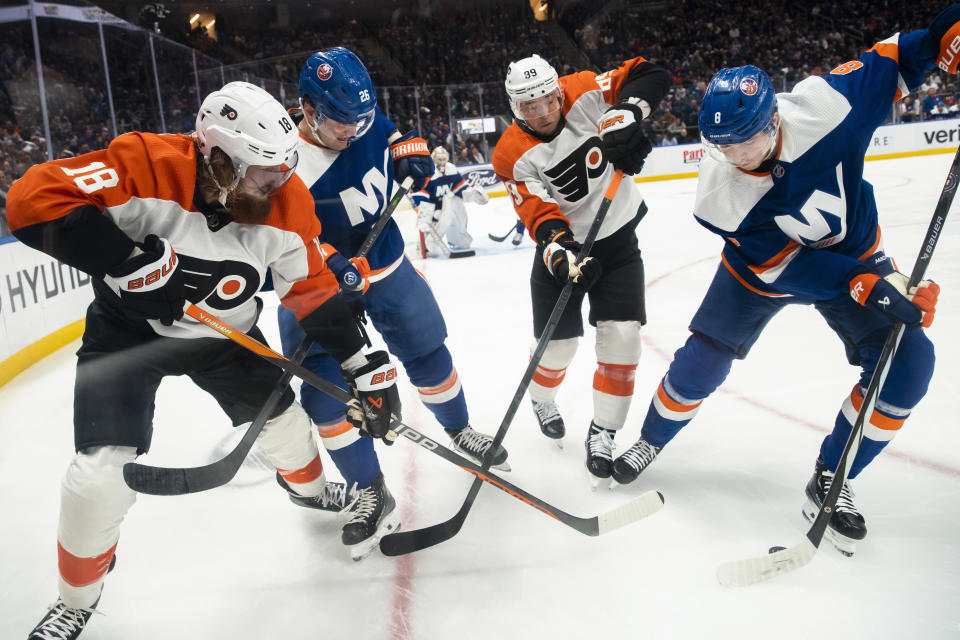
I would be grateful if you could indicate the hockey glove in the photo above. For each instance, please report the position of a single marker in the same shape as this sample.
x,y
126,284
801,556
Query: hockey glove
x,y
939,43
476,195
560,256
374,385
624,143
349,274
150,283
889,295
411,158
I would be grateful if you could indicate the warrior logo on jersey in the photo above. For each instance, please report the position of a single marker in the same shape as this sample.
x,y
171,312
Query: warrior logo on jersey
x,y
571,176
324,71
748,86
229,112
221,284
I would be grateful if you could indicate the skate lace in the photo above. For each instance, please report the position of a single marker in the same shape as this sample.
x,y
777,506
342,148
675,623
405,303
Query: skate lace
x,y
334,493
62,622
546,411
845,500
472,441
601,443
640,454
362,506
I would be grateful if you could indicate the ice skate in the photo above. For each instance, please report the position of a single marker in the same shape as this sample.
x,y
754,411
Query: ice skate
x,y
474,445
550,421
62,622
370,515
599,445
517,238
633,461
333,498
846,526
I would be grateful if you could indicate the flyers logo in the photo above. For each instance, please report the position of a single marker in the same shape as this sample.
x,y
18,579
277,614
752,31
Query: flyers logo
x,y
222,284
229,112
571,176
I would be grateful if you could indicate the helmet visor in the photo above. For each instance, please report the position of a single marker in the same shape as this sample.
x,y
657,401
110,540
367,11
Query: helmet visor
x,y
261,182
344,131
539,107
751,152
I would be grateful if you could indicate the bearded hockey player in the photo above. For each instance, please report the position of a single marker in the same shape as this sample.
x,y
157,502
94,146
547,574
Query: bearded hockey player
x,y
158,220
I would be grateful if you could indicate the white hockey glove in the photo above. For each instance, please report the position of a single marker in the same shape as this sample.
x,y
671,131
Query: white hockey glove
x,y
476,195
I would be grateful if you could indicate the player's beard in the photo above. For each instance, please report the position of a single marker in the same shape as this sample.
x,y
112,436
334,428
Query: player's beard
x,y
248,209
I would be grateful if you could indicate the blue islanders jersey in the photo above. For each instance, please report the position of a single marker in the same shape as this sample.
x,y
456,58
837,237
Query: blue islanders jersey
x,y
442,183
799,228
350,188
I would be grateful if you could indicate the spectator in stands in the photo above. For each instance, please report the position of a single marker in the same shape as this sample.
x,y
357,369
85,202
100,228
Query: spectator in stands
x,y
933,106
908,109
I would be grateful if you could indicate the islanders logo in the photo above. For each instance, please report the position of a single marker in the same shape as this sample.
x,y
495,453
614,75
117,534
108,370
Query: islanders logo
x,y
324,71
748,86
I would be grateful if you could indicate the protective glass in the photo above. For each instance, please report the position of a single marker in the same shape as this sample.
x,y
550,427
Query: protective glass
x,y
539,107
260,181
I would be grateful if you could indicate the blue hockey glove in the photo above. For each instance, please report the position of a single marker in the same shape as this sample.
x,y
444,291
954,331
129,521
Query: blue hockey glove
x,y
411,158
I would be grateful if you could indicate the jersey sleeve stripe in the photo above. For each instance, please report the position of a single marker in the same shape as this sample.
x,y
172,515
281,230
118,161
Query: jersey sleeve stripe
x,y
777,260
746,284
873,249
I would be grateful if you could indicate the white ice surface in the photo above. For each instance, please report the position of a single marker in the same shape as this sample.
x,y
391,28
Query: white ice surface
x,y
241,562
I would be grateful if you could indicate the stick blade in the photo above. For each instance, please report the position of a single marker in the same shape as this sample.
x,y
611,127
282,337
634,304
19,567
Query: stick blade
x,y
638,508
156,481
403,542
741,573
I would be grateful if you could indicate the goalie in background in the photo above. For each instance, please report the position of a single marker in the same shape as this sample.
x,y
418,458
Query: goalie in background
x,y
441,214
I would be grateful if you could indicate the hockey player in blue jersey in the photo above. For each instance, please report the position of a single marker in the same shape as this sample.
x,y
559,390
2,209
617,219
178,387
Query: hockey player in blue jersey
x,y
440,205
350,154
783,184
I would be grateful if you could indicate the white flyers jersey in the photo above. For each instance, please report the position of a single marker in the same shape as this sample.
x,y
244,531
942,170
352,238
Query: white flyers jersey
x,y
145,184
566,177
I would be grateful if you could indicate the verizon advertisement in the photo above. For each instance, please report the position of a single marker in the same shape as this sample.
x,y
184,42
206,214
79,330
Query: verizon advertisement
x,y
38,295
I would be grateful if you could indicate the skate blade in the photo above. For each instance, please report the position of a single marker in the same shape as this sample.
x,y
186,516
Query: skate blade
x,y
503,466
846,546
363,549
599,483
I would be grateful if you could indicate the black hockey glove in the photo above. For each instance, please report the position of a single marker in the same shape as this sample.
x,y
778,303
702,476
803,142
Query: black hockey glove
x,y
150,284
939,48
374,385
411,158
560,252
624,143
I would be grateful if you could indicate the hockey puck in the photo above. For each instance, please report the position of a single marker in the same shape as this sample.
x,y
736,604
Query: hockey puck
x,y
775,549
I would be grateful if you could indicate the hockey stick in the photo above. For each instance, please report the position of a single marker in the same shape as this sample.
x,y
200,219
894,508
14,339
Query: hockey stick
x,y
504,236
403,542
171,481
637,508
752,570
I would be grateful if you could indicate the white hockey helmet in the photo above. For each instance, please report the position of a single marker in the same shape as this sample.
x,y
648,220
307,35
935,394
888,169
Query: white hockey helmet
x,y
529,79
250,126
440,156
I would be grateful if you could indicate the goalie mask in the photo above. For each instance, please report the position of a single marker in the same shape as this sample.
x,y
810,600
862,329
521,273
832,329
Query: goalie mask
x,y
253,129
440,158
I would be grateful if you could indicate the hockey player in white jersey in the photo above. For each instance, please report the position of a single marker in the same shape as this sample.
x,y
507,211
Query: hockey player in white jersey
x,y
440,206
157,220
783,185
556,167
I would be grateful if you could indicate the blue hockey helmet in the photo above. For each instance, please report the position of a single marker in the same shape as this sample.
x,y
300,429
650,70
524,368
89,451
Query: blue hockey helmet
x,y
739,103
339,88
